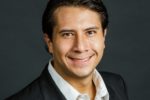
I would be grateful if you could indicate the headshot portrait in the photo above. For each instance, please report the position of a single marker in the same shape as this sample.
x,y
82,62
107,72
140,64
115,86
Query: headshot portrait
x,y
75,50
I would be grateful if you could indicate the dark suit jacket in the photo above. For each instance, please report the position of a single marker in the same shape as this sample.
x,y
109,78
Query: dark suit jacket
x,y
44,88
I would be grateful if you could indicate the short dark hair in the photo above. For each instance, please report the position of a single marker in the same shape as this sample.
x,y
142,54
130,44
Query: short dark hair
x,y
48,21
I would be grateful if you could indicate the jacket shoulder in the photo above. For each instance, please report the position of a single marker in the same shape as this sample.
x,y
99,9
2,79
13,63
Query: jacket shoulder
x,y
109,76
29,92
113,79
115,85
43,88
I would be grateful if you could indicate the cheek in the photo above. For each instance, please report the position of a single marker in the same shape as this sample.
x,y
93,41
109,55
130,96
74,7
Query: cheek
x,y
61,48
98,44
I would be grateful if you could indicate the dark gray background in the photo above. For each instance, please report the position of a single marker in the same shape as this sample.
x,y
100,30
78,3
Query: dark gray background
x,y
22,53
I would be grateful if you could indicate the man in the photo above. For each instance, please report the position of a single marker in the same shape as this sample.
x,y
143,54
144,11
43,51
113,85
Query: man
x,y
74,33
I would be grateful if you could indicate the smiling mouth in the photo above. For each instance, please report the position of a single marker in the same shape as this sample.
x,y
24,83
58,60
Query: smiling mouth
x,y
80,59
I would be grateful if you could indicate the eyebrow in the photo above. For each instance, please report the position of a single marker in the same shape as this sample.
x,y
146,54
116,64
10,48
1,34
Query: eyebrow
x,y
92,28
71,30
66,30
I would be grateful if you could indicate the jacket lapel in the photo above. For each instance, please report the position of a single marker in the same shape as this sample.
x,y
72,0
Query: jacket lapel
x,y
48,87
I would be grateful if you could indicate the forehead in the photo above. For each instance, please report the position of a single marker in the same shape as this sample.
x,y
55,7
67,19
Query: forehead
x,y
76,16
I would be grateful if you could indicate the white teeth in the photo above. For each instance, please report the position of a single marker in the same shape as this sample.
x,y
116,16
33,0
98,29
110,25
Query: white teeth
x,y
84,59
80,59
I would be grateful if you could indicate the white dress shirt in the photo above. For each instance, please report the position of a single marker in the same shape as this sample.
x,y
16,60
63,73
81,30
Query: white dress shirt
x,y
71,93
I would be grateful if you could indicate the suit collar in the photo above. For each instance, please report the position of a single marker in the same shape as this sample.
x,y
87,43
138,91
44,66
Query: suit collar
x,y
51,91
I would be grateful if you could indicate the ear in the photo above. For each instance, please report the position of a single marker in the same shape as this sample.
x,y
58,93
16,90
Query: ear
x,y
48,43
105,32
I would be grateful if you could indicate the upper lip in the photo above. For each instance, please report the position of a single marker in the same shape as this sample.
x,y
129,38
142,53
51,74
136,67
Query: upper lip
x,y
80,58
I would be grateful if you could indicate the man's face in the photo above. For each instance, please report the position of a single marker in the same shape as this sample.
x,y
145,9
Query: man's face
x,y
78,42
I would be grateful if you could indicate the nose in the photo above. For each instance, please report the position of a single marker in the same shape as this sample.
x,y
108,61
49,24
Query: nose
x,y
81,44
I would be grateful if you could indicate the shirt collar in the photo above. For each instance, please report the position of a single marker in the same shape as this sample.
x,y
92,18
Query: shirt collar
x,y
71,93
68,91
101,90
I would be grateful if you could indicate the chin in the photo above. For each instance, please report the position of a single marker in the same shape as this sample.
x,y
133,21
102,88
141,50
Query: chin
x,y
84,73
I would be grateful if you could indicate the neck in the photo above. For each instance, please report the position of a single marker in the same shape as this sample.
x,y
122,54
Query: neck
x,y
85,86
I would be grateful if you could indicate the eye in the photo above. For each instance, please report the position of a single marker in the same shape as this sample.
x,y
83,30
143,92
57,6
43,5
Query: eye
x,y
67,34
91,33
